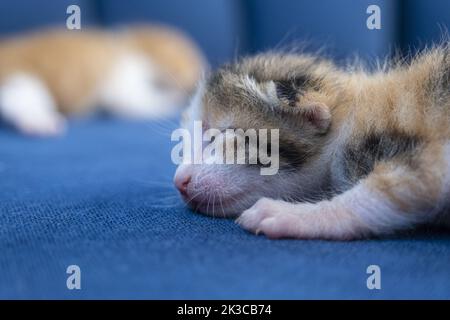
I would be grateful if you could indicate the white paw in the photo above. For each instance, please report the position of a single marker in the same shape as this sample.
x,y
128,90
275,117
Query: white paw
x,y
280,219
129,90
45,125
26,103
272,218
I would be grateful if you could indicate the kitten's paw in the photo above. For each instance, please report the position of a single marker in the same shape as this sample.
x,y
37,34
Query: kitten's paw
x,y
27,104
43,125
271,218
279,219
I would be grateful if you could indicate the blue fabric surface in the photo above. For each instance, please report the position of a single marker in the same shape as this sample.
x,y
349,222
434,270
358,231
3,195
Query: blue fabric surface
x,y
214,24
337,27
225,28
18,16
101,198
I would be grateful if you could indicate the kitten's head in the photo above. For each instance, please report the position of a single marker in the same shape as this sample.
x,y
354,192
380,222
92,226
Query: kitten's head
x,y
290,93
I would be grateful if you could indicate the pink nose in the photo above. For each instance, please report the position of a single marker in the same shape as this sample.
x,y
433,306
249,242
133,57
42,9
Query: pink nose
x,y
182,182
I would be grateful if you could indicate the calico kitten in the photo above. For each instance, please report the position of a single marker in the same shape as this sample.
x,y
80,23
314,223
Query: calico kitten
x,y
361,153
140,72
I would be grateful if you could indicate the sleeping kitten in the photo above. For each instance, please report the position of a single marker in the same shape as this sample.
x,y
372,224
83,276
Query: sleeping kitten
x,y
141,72
361,154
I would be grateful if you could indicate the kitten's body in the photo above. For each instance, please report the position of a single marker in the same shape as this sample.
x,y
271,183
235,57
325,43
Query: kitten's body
x,y
56,72
361,153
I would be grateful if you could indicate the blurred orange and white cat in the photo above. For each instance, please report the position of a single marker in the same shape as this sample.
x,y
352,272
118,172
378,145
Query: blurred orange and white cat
x,y
142,72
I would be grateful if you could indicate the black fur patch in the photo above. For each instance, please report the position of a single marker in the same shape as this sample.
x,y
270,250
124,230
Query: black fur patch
x,y
359,159
289,89
293,155
290,155
446,71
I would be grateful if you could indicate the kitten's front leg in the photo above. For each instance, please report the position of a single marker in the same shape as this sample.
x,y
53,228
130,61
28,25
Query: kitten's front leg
x,y
27,104
324,220
391,198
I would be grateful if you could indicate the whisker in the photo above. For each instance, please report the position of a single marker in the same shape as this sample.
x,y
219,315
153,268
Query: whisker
x,y
213,203
221,205
165,132
192,198
207,207
164,184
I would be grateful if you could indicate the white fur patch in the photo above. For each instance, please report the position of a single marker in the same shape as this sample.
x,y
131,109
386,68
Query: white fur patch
x,y
26,103
374,210
265,92
129,90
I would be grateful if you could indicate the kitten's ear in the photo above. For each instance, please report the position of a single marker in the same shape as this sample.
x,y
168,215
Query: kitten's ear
x,y
290,94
